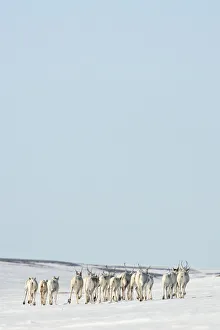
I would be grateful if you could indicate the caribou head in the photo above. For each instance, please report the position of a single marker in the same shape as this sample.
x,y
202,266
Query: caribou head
x,y
90,273
55,279
79,273
176,269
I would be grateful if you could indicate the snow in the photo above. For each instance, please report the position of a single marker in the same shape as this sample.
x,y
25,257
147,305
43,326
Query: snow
x,y
199,310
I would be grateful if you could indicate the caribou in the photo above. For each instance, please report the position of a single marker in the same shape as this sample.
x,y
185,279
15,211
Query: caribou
x,y
43,291
132,286
53,289
31,287
114,285
125,278
182,279
169,283
109,286
91,283
142,282
104,281
76,285
148,286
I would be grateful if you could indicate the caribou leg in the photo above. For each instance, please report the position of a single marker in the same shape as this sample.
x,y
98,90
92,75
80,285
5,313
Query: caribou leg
x,y
164,292
30,298
25,296
50,299
44,299
174,290
78,296
71,292
171,292
100,294
55,298
111,295
183,291
34,298
150,293
128,292
87,298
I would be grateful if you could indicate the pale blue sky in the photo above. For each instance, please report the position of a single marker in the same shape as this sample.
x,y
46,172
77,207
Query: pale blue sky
x,y
110,131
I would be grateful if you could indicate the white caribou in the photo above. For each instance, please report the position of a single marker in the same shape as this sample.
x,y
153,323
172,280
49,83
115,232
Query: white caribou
x,y
114,286
125,278
169,283
104,286
91,283
132,286
31,287
142,282
148,286
182,279
43,291
76,286
53,289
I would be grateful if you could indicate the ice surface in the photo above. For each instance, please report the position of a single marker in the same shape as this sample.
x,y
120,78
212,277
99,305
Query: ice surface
x,y
199,310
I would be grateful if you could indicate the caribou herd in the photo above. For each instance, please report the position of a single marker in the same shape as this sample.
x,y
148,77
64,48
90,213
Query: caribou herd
x,y
110,286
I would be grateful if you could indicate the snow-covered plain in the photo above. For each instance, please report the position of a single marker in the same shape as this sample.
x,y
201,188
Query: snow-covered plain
x,y
199,310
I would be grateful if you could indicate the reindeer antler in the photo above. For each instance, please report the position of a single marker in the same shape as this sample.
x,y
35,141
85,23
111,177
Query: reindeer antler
x,y
187,266
148,268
